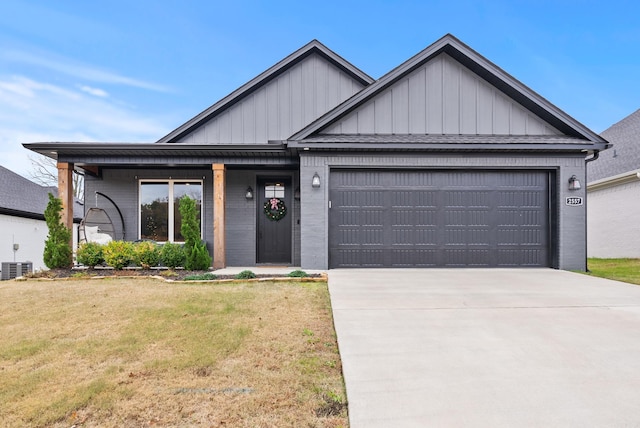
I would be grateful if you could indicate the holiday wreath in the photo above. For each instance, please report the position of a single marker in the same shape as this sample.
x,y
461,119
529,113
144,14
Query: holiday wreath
x,y
275,209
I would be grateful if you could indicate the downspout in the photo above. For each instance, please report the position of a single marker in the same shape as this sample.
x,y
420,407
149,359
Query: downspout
x,y
596,155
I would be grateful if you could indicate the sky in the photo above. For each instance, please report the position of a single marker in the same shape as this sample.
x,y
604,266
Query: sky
x,y
132,71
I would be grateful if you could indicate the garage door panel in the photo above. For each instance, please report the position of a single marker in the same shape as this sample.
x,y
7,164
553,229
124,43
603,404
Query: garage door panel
x,y
439,218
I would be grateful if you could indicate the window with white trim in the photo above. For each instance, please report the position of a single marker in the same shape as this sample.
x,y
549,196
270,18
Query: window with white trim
x,y
159,211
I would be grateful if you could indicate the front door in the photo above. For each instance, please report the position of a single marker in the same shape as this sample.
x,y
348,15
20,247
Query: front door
x,y
274,220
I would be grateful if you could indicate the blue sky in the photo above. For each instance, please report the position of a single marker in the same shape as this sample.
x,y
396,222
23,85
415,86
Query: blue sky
x,y
131,71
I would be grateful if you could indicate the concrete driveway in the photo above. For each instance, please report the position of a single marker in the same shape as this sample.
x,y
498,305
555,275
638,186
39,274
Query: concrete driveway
x,y
487,348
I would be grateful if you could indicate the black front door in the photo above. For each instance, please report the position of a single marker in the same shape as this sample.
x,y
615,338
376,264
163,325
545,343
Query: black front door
x,y
274,220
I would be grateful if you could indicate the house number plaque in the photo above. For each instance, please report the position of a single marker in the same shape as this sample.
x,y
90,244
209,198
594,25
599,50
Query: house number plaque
x,y
574,201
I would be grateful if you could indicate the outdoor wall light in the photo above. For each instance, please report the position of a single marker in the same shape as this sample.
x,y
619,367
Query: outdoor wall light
x,y
315,181
248,194
296,194
574,183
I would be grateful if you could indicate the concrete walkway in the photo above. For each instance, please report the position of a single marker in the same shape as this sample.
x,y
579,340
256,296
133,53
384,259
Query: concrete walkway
x,y
487,348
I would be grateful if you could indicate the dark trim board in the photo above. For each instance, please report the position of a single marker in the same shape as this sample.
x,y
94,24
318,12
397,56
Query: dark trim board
x,y
441,218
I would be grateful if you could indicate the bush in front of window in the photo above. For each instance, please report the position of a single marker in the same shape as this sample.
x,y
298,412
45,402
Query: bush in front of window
x,y
119,254
199,258
90,254
197,255
172,255
147,254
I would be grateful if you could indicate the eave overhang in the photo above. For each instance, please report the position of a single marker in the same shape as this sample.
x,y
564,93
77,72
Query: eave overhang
x,y
616,180
449,143
56,150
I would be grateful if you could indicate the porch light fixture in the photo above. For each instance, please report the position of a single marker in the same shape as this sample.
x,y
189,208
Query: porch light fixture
x,y
248,194
574,183
315,181
296,194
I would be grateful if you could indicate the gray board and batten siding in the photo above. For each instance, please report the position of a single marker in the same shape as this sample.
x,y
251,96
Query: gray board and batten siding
x,y
281,107
442,97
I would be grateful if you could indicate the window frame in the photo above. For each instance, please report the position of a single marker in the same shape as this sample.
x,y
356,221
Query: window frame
x,y
171,206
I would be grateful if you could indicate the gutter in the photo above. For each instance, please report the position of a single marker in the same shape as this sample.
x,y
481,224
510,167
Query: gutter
x,y
616,180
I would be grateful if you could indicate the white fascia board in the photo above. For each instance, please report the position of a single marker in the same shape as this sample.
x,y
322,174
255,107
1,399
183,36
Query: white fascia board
x,y
616,180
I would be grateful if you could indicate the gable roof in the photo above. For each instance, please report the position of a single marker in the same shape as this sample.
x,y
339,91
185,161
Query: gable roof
x,y
21,197
625,154
313,47
477,64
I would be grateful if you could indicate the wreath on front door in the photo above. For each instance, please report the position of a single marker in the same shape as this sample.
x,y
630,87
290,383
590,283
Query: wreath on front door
x,y
275,209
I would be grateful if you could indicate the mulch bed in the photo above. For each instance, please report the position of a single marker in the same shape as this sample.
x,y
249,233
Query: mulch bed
x,y
170,275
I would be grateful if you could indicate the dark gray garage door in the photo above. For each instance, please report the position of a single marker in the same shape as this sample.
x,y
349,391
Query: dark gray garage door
x,y
438,218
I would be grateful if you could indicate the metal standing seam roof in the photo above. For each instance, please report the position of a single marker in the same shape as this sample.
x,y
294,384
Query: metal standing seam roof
x,y
625,153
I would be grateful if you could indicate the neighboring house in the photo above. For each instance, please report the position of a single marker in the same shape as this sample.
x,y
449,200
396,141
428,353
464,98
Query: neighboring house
x,y
447,160
614,193
23,230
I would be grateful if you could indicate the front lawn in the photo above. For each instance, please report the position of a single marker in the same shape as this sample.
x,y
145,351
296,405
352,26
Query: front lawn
x,y
141,352
626,270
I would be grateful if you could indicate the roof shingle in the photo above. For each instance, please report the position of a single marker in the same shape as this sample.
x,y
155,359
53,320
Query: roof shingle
x,y
624,156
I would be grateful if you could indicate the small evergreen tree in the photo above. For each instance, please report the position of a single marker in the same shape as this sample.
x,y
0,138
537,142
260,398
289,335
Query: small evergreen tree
x,y
57,247
197,255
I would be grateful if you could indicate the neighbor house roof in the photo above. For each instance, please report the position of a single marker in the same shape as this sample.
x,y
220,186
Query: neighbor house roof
x,y
479,65
625,154
21,197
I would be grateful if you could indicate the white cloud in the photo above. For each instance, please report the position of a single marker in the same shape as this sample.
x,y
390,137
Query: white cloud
x,y
75,69
94,91
34,111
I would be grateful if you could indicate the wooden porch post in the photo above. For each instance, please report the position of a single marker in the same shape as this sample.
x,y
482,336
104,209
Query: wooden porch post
x,y
219,259
65,193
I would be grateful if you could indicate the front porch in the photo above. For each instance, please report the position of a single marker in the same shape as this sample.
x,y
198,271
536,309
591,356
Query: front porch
x,y
232,220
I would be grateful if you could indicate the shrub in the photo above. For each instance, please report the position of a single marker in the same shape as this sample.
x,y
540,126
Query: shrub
x,y
201,277
172,255
147,254
197,255
199,258
119,254
245,274
57,247
90,254
298,274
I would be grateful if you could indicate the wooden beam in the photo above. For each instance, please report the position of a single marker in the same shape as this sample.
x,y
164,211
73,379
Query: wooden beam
x,y
92,169
219,248
65,193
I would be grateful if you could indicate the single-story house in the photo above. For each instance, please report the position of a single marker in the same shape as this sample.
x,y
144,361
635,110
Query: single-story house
x,y
445,161
23,230
614,193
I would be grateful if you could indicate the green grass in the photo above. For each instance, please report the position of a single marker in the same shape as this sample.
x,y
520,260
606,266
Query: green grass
x,y
625,270
112,353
